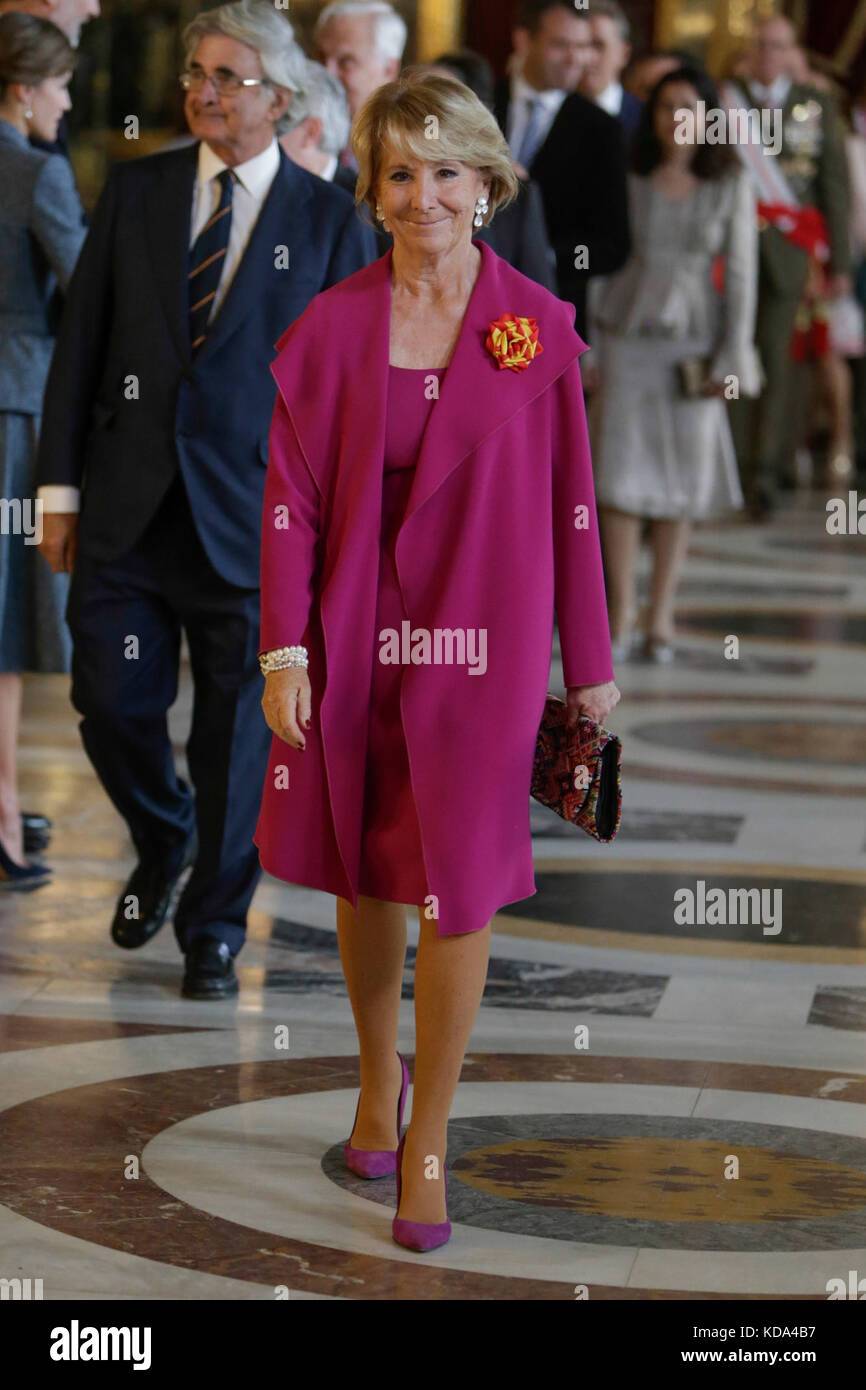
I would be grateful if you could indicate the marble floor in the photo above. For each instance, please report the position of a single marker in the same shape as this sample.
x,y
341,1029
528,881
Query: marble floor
x,y
649,1108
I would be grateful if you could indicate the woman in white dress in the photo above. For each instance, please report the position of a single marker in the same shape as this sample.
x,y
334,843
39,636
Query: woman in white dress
x,y
660,453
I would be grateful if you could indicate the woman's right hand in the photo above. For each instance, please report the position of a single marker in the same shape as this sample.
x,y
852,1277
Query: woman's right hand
x,y
287,704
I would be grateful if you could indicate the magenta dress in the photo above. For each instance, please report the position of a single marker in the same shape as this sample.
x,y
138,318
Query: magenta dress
x,y
392,858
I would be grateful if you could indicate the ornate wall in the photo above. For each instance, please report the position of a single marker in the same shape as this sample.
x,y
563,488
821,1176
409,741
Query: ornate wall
x,y
838,31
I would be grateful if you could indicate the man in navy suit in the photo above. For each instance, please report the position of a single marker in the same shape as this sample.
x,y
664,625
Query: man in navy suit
x,y
611,51
152,468
573,150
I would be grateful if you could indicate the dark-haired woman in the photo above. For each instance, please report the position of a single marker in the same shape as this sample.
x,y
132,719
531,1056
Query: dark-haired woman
x,y
661,321
41,233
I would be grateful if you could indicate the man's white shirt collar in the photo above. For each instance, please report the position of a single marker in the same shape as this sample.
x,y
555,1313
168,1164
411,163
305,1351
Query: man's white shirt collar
x,y
610,100
256,174
774,95
552,97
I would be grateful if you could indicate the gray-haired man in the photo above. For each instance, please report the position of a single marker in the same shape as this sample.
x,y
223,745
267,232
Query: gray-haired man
x,y
361,42
316,139
156,424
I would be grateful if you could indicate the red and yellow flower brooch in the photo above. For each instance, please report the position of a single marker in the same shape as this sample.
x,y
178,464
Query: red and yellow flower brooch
x,y
513,341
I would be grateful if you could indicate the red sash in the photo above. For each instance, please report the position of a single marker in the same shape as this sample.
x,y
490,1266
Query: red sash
x,y
804,227
807,228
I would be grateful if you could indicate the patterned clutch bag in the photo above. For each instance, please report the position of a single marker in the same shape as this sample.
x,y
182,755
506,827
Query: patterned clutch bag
x,y
578,772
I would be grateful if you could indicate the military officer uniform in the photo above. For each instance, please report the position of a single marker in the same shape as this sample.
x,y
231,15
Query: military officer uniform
x,y
812,161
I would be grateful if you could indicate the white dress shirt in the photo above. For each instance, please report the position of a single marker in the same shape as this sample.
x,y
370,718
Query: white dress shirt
x,y
253,184
522,97
774,95
610,100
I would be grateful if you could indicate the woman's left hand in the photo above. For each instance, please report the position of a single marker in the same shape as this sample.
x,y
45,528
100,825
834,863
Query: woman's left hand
x,y
590,377
596,701
713,388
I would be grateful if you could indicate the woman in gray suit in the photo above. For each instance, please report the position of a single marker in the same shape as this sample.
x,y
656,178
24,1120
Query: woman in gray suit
x,y
41,233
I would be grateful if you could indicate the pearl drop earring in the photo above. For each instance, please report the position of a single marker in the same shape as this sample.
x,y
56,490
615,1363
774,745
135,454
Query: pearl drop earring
x,y
28,114
481,208
380,212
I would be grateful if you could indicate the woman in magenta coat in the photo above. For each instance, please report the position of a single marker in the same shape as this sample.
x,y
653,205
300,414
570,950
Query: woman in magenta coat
x,y
429,500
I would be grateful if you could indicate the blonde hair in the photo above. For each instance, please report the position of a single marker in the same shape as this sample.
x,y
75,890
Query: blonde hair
x,y
404,114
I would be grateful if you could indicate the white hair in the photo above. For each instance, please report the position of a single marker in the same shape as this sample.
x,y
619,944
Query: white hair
x,y
326,99
389,31
257,24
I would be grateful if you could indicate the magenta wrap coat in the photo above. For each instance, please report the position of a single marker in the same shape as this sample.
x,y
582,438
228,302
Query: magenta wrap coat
x,y
492,538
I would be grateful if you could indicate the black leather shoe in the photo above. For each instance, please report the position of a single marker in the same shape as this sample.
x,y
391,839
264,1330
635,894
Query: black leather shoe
x,y
153,887
760,504
20,878
37,832
210,970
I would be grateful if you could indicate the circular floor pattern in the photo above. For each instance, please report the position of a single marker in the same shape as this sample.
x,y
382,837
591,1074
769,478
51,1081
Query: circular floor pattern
x,y
819,626
725,756
629,898
653,1181
804,740
71,1178
627,1176
820,545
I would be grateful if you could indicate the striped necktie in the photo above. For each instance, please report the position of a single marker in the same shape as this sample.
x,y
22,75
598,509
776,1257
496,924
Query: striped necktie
x,y
206,262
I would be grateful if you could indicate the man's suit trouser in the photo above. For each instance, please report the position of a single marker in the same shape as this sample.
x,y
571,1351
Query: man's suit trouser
x,y
764,429
126,618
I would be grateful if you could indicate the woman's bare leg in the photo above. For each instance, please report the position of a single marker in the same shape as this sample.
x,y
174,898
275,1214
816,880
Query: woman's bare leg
x,y
620,543
835,378
372,944
450,972
10,813
670,543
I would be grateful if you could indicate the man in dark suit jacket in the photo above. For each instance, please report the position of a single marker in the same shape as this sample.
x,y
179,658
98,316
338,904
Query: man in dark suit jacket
x,y
611,51
573,150
158,410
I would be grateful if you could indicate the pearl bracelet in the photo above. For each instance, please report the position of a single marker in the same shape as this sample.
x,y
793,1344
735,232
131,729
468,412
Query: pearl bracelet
x,y
283,659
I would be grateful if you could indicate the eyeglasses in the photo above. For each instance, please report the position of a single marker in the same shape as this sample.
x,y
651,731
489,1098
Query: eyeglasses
x,y
223,79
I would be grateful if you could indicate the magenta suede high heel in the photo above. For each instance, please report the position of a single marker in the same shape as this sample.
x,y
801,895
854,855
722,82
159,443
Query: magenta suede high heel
x,y
377,1163
418,1235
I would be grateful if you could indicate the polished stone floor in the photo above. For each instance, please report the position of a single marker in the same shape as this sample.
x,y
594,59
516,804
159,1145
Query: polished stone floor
x,y
652,1106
